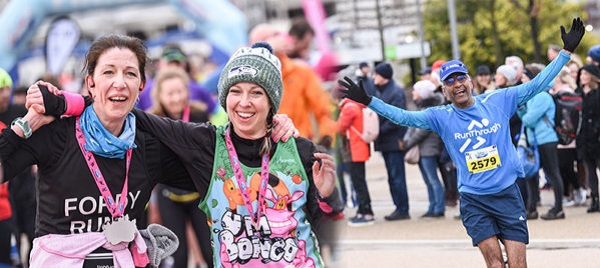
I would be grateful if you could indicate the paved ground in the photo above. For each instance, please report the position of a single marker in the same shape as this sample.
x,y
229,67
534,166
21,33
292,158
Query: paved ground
x,y
573,242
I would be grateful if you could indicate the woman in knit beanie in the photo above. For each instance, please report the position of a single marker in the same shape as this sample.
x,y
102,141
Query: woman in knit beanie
x,y
505,76
535,115
430,147
287,185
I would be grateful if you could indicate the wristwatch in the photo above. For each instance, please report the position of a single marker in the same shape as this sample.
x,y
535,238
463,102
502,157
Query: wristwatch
x,y
24,125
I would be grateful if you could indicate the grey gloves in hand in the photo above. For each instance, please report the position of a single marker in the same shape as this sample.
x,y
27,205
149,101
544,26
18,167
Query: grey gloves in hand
x,y
161,243
573,37
353,91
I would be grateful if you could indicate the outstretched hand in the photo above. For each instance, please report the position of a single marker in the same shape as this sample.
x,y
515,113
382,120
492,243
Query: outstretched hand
x,y
573,37
353,91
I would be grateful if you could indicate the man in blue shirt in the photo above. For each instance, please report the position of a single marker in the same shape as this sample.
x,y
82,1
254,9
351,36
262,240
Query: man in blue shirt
x,y
476,133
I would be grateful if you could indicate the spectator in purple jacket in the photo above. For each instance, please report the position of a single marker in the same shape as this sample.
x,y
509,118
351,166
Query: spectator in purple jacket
x,y
173,55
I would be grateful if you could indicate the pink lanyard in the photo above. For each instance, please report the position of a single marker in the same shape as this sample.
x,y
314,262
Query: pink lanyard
x,y
239,175
116,210
186,114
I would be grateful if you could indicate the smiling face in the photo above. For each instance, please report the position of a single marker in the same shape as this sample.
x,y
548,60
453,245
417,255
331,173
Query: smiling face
x,y
460,93
484,79
115,86
500,80
585,78
173,95
248,106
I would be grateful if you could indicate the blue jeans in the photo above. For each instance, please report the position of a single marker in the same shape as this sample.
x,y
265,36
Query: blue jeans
x,y
394,163
429,166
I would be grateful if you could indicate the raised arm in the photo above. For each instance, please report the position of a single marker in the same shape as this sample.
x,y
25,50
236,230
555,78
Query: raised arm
x,y
15,150
540,82
397,115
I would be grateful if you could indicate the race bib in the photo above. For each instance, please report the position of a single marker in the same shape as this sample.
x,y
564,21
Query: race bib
x,y
483,159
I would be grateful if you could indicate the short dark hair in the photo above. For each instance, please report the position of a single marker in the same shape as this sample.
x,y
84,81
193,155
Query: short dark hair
x,y
300,27
20,90
107,42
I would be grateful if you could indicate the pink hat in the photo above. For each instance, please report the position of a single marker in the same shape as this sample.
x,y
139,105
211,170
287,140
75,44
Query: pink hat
x,y
437,64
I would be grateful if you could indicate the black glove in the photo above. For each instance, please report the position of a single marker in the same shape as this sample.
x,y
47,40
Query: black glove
x,y
54,105
353,91
573,37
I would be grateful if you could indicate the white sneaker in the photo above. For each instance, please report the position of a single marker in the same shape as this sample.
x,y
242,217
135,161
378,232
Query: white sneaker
x,y
580,196
457,215
567,202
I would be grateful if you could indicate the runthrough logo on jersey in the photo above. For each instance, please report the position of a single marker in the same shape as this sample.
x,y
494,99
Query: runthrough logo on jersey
x,y
475,133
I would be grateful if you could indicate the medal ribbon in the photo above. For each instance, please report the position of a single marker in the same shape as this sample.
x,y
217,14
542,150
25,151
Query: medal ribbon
x,y
116,210
186,114
243,186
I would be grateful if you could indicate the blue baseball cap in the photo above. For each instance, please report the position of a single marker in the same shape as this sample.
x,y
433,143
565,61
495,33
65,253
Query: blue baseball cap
x,y
453,66
594,53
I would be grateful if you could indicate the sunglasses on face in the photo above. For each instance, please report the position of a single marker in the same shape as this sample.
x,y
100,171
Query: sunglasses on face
x,y
450,81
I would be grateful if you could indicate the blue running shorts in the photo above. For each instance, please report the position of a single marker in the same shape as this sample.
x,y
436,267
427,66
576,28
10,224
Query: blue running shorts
x,y
502,214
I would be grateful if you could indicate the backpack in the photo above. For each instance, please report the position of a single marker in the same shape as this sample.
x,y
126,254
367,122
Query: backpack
x,y
370,125
529,156
568,116
530,160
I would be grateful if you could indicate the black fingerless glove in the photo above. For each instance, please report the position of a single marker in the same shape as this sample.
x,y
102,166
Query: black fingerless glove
x,y
573,37
54,105
353,91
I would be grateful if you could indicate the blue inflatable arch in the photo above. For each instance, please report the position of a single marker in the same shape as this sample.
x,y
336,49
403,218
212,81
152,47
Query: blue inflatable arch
x,y
223,24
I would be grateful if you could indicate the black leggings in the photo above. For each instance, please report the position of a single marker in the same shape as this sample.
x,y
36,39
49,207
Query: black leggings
x,y
359,181
590,170
174,215
549,161
566,165
6,230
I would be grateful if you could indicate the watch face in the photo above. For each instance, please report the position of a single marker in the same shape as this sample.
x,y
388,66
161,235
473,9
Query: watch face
x,y
24,126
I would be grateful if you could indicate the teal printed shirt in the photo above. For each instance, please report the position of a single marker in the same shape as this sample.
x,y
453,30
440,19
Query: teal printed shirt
x,y
284,237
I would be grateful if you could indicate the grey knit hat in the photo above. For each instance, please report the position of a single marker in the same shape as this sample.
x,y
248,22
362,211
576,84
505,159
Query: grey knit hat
x,y
256,64
509,72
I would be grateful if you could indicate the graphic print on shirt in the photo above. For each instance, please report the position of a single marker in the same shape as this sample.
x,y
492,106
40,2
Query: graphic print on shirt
x,y
91,205
283,236
479,158
274,239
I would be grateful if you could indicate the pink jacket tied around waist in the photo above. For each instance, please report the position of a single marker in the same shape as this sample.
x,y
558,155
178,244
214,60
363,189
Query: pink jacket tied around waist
x,y
70,250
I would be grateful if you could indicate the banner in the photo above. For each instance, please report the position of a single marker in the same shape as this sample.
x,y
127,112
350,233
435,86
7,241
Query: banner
x,y
21,18
63,34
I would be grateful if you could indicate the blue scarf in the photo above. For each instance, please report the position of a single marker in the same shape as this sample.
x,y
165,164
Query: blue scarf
x,y
100,141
